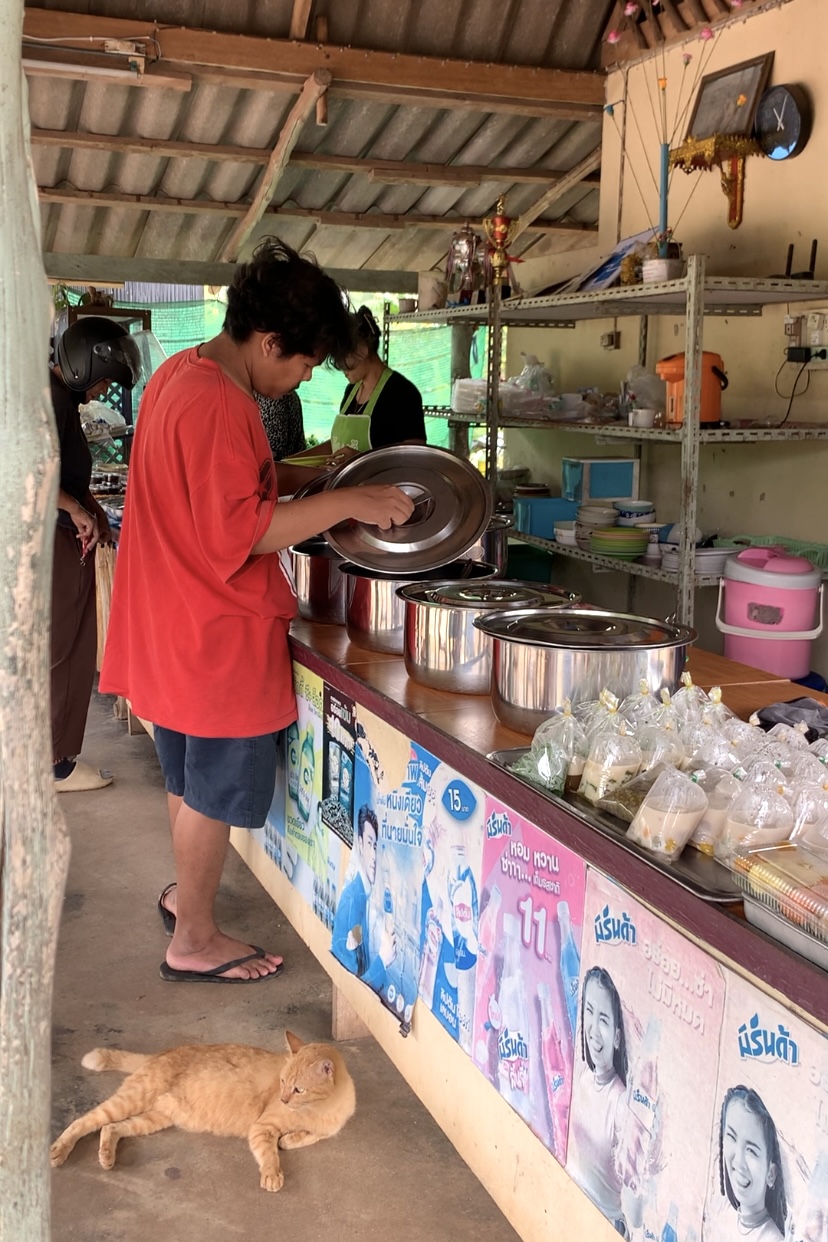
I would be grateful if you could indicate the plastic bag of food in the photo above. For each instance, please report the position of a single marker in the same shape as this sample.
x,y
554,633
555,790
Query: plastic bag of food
x,y
743,737
624,801
714,711
758,816
545,765
689,701
791,735
781,756
714,752
660,744
810,811
665,714
613,759
721,788
566,732
640,707
808,770
534,376
668,815
606,718
820,749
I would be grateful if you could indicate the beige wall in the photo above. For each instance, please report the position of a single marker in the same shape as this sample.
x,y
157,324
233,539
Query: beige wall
x,y
760,489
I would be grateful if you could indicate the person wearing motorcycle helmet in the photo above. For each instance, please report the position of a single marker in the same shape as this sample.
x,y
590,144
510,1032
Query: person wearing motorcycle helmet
x,y
92,353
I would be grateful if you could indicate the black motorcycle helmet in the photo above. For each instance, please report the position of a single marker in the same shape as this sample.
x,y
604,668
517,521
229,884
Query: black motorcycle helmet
x,y
93,349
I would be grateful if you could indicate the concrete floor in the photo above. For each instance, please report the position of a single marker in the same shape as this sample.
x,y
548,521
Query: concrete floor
x,y
390,1174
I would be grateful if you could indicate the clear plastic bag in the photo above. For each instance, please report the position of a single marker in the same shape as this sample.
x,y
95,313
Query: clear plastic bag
x,y
566,732
534,376
613,759
545,765
665,714
721,788
625,801
820,749
794,736
810,770
810,813
689,701
714,752
758,816
714,711
743,737
606,718
668,815
660,745
639,708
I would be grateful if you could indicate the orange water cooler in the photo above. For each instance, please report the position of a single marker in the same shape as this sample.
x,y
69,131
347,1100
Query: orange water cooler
x,y
713,384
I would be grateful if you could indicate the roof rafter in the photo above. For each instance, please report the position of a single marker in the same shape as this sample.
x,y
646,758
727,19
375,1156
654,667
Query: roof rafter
x,y
527,219
390,172
355,67
343,219
314,89
300,19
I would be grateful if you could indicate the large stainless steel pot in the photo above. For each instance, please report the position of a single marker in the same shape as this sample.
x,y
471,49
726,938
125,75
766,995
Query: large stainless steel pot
x,y
493,545
540,658
443,648
375,616
320,587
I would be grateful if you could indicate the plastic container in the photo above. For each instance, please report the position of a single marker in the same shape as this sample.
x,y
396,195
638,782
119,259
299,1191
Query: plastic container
x,y
788,879
713,383
599,478
536,515
771,600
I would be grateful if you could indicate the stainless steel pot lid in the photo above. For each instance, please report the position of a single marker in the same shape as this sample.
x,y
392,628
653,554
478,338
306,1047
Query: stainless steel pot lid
x,y
584,628
315,546
462,569
453,504
491,593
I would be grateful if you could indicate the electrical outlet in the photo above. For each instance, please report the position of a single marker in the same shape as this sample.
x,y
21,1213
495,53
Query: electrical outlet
x,y
611,340
794,327
816,337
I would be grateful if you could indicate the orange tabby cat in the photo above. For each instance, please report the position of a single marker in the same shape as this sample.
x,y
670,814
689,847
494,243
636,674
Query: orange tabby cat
x,y
272,1099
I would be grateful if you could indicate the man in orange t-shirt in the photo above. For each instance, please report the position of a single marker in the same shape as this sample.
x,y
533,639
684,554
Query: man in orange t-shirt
x,y
202,602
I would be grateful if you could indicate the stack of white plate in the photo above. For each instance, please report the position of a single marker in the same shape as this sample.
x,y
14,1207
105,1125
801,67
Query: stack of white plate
x,y
708,560
591,517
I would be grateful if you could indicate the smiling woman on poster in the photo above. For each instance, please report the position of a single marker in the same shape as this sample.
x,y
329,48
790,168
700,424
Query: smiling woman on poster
x,y
750,1170
601,1083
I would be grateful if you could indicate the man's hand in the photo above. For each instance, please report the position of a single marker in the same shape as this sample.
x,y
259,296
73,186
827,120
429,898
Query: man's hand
x,y
387,946
379,505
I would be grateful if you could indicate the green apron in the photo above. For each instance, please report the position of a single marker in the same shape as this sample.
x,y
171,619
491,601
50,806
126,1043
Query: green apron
x,y
354,430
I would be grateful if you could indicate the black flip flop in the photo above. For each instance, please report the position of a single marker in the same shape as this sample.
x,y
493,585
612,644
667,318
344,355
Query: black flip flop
x,y
167,916
218,974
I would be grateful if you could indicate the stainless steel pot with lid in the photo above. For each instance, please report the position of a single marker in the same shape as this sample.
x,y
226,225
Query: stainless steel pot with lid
x,y
442,647
452,507
320,587
493,544
541,657
374,613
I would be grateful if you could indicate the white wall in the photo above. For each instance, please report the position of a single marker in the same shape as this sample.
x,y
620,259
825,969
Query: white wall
x,y
760,489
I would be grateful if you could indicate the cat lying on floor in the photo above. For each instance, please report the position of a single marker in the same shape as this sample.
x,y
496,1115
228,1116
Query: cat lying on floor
x,y
287,1099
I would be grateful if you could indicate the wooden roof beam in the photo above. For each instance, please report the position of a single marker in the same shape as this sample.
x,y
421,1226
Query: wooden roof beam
x,y
337,219
300,19
390,172
192,47
314,89
102,269
527,220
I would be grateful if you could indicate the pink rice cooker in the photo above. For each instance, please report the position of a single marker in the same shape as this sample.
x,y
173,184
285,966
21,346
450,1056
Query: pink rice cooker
x,y
771,603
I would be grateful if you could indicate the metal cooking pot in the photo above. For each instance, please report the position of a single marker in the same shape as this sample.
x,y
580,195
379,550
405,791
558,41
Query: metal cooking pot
x,y
320,587
442,647
541,657
493,545
375,616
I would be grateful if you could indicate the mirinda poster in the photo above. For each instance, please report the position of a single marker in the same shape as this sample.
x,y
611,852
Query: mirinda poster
x,y
644,1084
529,938
768,1144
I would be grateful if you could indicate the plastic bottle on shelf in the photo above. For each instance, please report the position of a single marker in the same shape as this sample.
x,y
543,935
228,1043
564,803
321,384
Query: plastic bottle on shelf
x,y
513,1061
570,966
554,1069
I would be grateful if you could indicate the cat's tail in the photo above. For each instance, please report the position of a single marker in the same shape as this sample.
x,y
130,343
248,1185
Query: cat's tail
x,y
114,1059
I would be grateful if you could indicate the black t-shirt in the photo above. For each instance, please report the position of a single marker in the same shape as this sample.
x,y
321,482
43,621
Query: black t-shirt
x,y
397,415
75,455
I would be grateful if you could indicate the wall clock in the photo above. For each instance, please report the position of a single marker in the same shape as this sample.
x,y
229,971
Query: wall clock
x,y
783,121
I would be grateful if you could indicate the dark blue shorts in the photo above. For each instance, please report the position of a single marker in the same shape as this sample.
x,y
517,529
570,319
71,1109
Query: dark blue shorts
x,y
231,779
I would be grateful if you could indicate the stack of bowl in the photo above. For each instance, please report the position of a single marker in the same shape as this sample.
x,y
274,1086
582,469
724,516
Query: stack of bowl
x,y
623,542
565,534
634,512
592,517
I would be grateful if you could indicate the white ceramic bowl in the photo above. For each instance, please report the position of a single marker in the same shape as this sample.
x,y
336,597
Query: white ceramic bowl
x,y
708,560
566,538
628,508
597,515
642,519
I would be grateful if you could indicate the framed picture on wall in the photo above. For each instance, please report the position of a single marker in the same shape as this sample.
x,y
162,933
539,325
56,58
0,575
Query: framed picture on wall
x,y
726,101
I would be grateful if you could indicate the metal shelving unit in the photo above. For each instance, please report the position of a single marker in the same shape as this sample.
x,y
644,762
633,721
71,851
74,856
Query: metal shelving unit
x,y
693,298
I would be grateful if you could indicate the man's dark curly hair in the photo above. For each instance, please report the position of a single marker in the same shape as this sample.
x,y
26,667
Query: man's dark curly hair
x,y
282,292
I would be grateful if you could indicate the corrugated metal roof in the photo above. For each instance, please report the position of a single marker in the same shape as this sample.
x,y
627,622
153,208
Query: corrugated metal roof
x,y
546,33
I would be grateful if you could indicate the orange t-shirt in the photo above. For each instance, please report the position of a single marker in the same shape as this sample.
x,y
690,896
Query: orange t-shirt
x,y
197,637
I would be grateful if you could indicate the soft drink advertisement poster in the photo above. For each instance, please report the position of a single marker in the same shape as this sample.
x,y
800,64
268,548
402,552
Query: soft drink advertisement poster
x,y
644,1083
453,831
768,1147
525,1017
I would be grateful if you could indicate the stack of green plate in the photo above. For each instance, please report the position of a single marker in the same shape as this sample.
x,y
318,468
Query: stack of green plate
x,y
624,542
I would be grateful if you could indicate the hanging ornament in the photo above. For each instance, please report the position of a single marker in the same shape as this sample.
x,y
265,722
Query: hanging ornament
x,y
662,84
630,8
687,57
705,34
614,36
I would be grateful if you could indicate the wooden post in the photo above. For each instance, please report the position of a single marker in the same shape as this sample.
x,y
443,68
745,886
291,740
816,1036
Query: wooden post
x,y
345,1021
34,847
461,341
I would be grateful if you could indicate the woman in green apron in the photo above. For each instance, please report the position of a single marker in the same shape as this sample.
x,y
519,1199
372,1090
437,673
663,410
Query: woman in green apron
x,y
380,407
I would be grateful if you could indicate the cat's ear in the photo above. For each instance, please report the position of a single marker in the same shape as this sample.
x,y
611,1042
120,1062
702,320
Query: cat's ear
x,y
325,1068
293,1041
